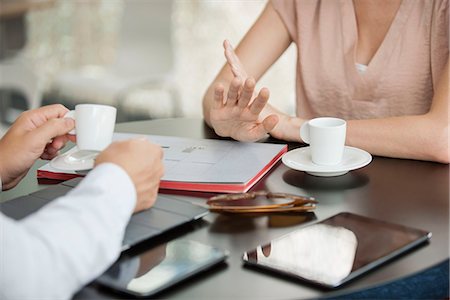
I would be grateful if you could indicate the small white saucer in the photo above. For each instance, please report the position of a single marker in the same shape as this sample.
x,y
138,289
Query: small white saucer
x,y
300,159
74,160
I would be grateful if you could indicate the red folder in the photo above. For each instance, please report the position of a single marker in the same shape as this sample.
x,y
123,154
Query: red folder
x,y
260,167
185,186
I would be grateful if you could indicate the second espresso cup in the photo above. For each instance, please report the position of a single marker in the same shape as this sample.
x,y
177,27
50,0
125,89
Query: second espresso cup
x,y
94,125
326,137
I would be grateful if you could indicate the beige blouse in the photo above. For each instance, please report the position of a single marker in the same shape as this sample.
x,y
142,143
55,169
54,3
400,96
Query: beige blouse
x,y
399,80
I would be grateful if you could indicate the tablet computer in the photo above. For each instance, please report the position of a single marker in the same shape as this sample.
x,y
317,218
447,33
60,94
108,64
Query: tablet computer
x,y
161,267
336,250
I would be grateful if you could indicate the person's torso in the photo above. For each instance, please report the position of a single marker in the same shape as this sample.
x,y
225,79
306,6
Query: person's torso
x,y
398,79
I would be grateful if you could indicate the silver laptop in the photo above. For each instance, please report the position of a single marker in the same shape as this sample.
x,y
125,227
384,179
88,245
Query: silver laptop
x,y
167,213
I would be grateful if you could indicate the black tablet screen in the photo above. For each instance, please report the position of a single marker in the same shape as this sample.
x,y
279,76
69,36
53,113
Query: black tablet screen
x,y
337,249
160,267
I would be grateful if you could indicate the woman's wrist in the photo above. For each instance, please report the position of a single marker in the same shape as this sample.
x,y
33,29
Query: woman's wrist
x,y
287,129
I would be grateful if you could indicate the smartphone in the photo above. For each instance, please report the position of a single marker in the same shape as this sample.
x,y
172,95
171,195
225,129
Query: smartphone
x,y
160,267
336,250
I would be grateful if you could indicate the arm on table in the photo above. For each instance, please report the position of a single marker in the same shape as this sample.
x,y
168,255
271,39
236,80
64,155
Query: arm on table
x,y
71,241
424,137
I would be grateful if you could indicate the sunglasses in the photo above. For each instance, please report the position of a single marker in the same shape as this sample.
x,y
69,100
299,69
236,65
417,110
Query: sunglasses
x,y
261,202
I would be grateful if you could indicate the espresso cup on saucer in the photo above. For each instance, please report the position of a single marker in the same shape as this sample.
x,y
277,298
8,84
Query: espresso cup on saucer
x,y
326,137
94,128
94,125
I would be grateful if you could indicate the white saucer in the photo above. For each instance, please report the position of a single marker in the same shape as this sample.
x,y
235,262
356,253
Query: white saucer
x,y
74,160
300,159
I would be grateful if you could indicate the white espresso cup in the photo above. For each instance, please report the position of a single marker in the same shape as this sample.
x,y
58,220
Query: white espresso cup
x,y
94,125
326,137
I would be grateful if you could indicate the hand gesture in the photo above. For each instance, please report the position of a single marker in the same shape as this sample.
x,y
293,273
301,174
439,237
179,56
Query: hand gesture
x,y
36,133
238,116
142,161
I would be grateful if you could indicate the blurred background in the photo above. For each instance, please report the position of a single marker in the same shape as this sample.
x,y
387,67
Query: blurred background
x,y
149,58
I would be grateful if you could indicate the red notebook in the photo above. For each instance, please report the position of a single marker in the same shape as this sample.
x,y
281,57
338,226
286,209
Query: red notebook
x,y
201,164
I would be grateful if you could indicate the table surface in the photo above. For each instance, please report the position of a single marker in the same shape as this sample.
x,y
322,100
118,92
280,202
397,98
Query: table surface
x,y
412,193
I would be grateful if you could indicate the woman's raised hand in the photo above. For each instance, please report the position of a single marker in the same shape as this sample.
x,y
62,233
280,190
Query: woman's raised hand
x,y
237,114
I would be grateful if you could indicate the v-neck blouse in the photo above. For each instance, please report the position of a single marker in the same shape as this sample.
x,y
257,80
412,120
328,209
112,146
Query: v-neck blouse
x,y
399,80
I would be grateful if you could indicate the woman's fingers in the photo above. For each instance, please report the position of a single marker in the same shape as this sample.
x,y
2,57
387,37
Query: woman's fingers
x,y
247,93
233,92
270,122
230,55
233,60
262,129
260,101
218,96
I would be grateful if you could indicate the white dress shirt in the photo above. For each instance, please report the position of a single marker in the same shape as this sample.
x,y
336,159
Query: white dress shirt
x,y
54,252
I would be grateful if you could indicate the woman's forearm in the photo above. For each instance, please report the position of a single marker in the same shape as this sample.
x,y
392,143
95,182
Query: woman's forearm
x,y
412,137
422,137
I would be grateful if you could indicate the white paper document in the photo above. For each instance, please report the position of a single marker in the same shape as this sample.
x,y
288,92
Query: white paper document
x,y
211,161
201,164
